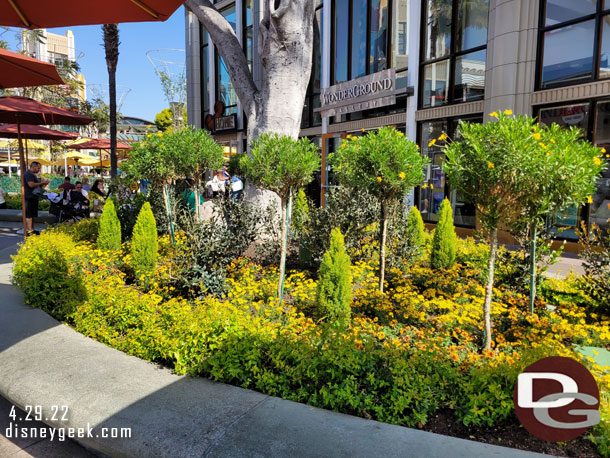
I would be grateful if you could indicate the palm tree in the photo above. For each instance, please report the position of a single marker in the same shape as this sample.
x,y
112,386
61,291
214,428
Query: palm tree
x,y
111,46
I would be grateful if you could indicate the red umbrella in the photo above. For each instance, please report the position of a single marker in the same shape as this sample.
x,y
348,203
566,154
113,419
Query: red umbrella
x,y
17,70
21,110
34,14
99,143
34,132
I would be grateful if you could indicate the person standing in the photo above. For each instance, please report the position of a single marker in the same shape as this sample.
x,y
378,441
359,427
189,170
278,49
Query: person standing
x,y
2,198
32,182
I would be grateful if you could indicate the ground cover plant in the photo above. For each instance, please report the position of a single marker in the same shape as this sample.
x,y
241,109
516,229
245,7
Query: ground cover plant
x,y
205,302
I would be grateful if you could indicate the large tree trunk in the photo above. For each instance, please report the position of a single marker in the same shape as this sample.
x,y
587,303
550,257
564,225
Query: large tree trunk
x,y
111,45
285,44
286,215
493,246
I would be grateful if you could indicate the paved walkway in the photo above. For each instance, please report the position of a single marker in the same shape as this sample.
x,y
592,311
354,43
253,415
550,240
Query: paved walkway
x,y
44,363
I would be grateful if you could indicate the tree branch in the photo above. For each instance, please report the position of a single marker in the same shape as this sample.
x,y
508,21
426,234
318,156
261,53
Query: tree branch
x,y
230,49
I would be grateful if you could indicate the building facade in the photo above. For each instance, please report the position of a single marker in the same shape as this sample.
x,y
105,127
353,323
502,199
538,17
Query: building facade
x,y
423,66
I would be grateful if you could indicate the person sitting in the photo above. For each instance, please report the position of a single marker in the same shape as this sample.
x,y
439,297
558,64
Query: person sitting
x,y
86,185
78,192
79,203
98,195
66,185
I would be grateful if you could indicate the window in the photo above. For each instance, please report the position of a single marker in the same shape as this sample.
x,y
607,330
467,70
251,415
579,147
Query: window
x,y
435,188
312,98
248,34
224,88
361,37
454,49
205,75
593,117
574,41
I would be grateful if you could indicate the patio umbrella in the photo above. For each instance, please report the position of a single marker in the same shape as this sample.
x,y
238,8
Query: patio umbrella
x,y
34,14
17,70
101,144
21,110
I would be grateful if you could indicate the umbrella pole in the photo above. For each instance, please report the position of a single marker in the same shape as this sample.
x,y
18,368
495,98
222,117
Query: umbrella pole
x,y
27,152
22,168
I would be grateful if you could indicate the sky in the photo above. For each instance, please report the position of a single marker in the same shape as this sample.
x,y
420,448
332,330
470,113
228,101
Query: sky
x,y
134,70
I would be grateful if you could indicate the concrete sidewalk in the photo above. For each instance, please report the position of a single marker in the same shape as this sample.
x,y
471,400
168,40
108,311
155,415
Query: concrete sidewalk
x,y
44,363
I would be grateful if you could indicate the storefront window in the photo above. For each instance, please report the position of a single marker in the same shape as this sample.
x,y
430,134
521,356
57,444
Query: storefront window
x,y
400,35
361,33
453,68
224,88
575,43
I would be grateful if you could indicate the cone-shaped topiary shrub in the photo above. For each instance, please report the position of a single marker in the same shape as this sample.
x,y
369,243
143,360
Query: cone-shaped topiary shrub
x,y
444,242
144,244
109,234
415,229
334,292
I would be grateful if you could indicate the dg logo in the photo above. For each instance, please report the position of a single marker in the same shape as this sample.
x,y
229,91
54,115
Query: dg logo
x,y
557,399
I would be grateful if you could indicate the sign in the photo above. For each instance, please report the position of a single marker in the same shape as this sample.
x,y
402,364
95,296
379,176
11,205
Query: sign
x,y
557,399
368,92
225,123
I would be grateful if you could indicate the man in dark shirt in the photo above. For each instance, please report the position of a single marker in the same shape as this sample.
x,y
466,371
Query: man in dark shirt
x,y
32,182
66,185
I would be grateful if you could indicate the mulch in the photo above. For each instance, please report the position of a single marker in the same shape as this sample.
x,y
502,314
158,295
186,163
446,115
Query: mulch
x,y
509,434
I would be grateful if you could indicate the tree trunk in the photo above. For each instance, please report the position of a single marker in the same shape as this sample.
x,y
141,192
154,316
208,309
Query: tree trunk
x,y
534,235
383,231
285,45
111,46
286,210
493,246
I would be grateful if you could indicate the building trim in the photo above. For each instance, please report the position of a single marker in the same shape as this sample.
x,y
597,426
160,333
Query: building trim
x,y
450,111
370,123
571,93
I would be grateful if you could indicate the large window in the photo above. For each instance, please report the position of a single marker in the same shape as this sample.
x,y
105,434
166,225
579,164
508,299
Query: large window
x,y
361,33
205,75
224,88
454,34
312,98
593,117
574,42
248,31
435,188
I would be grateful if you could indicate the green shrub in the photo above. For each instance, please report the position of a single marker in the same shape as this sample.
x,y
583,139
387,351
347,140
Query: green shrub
x,y
334,290
300,213
86,230
144,245
109,235
596,281
44,269
444,242
13,202
416,230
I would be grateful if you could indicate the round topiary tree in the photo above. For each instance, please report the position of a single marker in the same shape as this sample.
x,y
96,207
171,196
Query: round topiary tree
x,y
334,290
281,164
516,172
109,234
444,242
384,163
144,245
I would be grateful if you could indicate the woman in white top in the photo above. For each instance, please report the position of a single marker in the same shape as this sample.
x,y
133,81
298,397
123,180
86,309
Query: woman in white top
x,y
2,198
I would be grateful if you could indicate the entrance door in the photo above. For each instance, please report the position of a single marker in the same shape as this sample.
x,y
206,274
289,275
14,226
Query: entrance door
x,y
330,144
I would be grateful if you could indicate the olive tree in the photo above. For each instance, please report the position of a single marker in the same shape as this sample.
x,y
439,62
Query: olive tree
x,y
385,164
282,165
515,172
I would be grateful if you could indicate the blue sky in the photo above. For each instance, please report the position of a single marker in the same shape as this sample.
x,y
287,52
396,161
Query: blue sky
x,y
134,70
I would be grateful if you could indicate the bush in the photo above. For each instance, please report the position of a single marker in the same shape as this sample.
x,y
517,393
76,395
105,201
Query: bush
x,y
596,256
86,230
444,242
144,245
46,271
13,202
416,230
109,237
334,292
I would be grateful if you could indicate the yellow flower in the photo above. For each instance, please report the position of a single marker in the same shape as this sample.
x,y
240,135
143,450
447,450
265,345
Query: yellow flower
x,y
425,185
379,179
548,153
490,165
536,136
589,199
402,175
597,160
542,145
432,142
494,114
443,136
431,186
508,112
603,150
400,134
